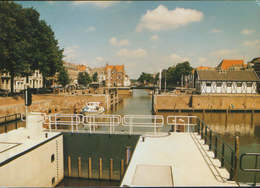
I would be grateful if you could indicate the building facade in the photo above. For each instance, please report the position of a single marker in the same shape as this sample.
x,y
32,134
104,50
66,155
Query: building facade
x,y
226,82
115,75
35,81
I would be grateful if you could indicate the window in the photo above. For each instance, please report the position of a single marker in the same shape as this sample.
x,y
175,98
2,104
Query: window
x,y
239,84
249,84
208,84
52,157
229,84
53,180
219,84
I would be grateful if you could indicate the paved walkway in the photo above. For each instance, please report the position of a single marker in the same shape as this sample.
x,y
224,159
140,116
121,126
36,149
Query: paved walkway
x,y
183,153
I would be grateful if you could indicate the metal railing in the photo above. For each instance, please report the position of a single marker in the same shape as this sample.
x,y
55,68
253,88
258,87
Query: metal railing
x,y
90,123
255,169
222,151
144,121
187,122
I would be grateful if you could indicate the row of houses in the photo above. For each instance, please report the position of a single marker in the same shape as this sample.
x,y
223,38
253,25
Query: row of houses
x,y
109,76
229,77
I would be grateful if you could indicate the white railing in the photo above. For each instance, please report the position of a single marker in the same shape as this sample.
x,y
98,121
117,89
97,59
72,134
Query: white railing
x,y
111,121
63,119
154,121
187,122
115,123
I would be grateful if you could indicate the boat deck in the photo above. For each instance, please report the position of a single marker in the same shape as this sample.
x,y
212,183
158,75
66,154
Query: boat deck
x,y
180,159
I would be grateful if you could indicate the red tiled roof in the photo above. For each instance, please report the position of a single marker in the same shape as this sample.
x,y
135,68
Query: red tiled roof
x,y
227,63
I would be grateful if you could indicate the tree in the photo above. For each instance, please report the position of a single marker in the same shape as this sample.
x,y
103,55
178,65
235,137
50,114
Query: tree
x,y
84,78
95,77
27,43
146,78
63,77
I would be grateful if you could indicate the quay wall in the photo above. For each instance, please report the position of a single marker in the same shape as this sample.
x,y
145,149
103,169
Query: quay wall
x,y
206,102
55,103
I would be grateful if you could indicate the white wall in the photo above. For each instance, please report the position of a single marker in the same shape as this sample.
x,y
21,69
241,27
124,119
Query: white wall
x,y
35,169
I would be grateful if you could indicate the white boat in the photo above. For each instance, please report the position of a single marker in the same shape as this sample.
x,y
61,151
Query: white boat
x,y
92,108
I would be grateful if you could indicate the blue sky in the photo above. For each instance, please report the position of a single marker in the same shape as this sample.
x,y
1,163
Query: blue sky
x,y
148,35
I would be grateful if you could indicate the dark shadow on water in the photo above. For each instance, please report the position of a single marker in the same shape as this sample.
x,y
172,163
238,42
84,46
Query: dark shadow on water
x,y
81,182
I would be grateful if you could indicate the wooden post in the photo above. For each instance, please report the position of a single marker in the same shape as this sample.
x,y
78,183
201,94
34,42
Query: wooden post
x,y
226,121
111,170
236,157
69,166
100,169
79,166
89,168
121,169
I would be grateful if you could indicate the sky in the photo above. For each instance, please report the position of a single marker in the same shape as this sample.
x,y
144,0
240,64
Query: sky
x,y
147,36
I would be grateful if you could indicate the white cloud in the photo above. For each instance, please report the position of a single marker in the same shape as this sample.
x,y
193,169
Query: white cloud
x,y
90,29
251,43
113,41
202,60
70,53
225,53
163,19
138,53
99,59
247,31
177,59
100,4
154,37
216,31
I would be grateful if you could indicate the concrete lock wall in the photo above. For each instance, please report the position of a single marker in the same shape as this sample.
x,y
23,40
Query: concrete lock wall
x,y
35,168
214,102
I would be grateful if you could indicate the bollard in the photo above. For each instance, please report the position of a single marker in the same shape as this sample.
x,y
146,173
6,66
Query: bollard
x,y
222,155
79,166
111,170
100,168
69,166
89,168
216,147
121,169
236,157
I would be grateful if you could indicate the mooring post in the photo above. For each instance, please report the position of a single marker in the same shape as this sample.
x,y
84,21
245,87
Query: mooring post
x,y
69,166
206,134
236,157
111,170
121,169
89,168
79,166
100,168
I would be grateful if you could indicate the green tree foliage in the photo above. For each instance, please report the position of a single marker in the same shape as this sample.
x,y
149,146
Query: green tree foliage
x,y
84,78
63,77
95,77
174,74
26,42
146,78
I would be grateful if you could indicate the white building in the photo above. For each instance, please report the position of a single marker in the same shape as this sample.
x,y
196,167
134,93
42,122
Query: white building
x,y
35,81
127,81
226,82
